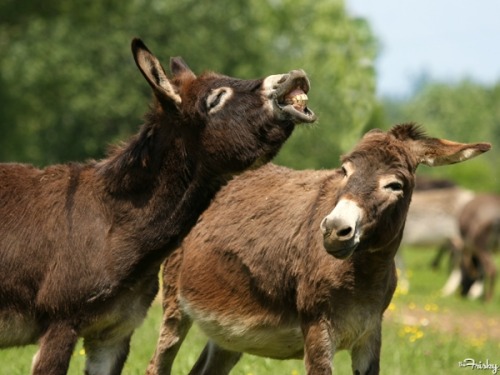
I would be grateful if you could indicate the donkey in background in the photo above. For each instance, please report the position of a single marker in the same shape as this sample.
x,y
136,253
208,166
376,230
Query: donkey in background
x,y
432,220
466,225
434,211
255,276
480,230
81,244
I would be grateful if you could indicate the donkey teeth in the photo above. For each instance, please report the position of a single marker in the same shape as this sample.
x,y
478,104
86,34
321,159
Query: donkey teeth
x,y
298,101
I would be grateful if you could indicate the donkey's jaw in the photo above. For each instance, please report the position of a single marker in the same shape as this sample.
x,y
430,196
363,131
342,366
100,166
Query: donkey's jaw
x,y
287,96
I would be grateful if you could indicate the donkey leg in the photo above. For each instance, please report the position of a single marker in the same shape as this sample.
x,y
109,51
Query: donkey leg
x,y
318,348
453,283
366,355
215,361
436,261
176,324
172,334
105,357
56,348
472,282
490,271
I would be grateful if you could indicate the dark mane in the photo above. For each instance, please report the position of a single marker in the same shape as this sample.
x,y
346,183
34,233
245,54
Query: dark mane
x,y
408,131
131,163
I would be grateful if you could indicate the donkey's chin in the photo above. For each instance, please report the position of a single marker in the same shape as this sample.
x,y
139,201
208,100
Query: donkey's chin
x,y
339,252
297,114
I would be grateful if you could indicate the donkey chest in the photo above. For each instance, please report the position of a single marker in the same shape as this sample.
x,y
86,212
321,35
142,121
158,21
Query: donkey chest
x,y
119,316
354,326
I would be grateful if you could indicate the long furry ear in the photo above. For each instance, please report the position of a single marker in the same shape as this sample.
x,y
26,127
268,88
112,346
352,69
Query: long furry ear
x,y
434,152
152,70
179,67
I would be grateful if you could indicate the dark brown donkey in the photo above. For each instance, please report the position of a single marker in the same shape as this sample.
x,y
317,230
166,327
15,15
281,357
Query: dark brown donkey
x,y
255,276
81,244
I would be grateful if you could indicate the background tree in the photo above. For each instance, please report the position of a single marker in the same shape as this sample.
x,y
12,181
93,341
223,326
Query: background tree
x,y
69,85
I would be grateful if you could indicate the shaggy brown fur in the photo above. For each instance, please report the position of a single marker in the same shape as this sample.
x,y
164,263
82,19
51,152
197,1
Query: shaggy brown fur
x,y
81,244
255,276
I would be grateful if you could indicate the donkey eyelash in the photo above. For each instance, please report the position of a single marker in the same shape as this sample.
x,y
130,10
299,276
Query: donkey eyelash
x,y
396,186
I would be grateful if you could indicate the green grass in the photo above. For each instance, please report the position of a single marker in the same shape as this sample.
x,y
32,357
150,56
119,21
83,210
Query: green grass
x,y
423,333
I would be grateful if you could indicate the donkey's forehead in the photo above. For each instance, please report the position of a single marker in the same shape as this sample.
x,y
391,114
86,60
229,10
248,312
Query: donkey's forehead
x,y
214,80
380,155
381,145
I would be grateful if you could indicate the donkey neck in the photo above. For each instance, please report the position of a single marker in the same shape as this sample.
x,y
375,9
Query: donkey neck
x,y
179,199
158,185
375,271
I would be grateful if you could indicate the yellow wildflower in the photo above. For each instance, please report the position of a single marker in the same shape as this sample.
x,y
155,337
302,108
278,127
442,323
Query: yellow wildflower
x,y
432,307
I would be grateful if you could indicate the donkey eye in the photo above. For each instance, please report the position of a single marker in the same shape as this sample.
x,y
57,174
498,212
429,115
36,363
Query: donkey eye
x,y
214,100
343,171
217,98
394,186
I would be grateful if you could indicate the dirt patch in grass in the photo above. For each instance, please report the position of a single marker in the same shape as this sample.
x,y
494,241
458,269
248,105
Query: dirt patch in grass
x,y
472,326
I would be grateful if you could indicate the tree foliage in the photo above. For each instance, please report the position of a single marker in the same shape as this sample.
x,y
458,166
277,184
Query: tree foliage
x,y
69,86
465,111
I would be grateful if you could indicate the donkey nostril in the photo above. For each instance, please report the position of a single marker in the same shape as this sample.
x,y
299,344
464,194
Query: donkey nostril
x,y
344,232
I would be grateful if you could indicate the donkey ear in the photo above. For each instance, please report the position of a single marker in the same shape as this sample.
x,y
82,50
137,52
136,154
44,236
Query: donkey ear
x,y
434,152
179,67
152,70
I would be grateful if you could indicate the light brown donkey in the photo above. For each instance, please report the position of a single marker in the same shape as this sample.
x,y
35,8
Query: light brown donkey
x,y
291,264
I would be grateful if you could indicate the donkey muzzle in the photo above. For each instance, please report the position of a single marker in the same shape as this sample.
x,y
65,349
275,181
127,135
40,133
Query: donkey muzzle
x,y
340,228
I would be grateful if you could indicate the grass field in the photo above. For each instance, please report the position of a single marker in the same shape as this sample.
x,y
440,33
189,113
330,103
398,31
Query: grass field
x,y
423,333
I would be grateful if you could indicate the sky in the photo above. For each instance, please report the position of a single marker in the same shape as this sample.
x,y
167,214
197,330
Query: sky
x,y
448,40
